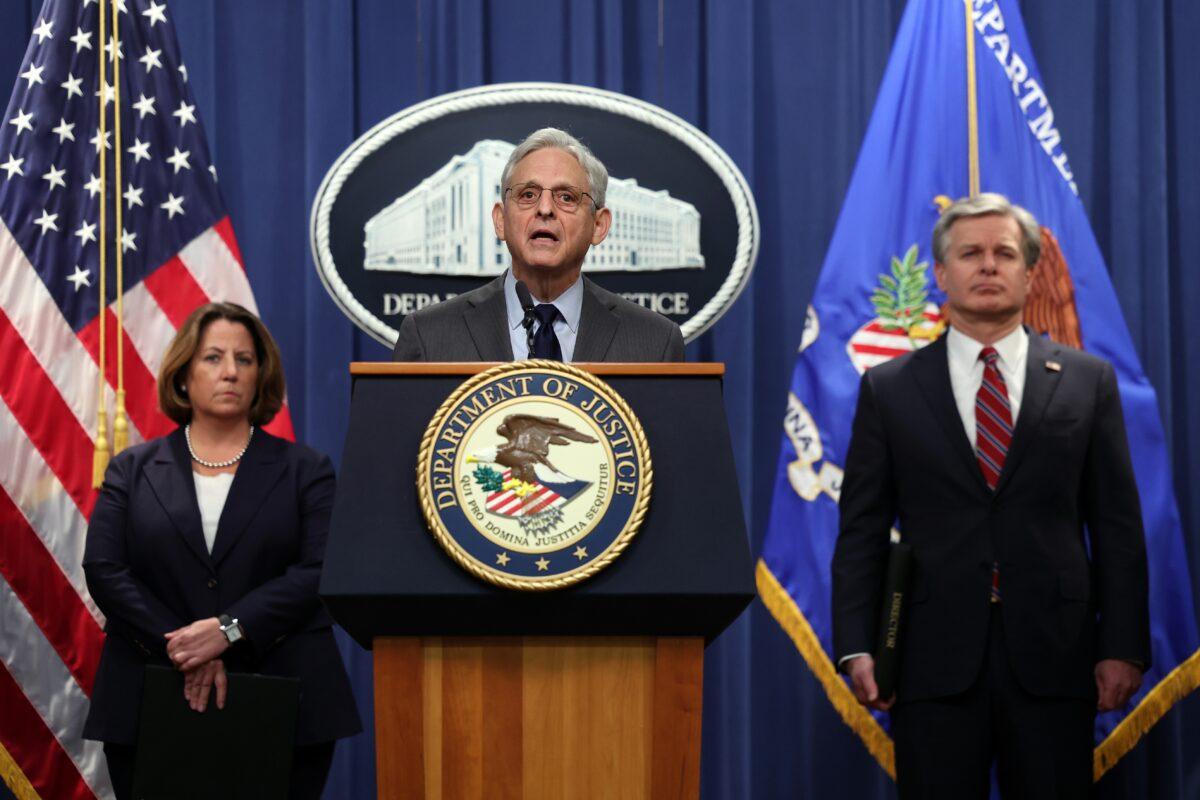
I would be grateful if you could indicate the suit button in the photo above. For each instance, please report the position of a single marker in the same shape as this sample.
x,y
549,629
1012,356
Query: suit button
x,y
212,583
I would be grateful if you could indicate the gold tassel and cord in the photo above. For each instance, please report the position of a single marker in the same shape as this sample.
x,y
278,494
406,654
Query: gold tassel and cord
x,y
120,424
101,452
120,420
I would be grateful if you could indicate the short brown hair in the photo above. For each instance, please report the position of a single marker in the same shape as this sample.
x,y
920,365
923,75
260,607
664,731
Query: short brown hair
x,y
268,393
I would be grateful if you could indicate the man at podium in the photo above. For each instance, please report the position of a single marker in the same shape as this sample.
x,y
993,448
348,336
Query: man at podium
x,y
550,212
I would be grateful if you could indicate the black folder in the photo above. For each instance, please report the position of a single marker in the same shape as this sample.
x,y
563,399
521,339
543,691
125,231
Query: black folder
x,y
891,617
241,751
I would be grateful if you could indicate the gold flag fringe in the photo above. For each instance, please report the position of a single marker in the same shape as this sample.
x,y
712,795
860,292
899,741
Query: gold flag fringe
x,y
1178,684
791,619
14,778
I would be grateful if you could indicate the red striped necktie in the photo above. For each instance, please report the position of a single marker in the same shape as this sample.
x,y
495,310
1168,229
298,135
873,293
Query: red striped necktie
x,y
993,419
993,432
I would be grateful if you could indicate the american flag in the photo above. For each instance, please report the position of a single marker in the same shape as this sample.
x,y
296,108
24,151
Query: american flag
x,y
179,251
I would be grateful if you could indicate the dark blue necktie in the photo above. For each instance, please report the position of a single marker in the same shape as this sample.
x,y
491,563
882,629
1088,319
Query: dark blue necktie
x,y
545,341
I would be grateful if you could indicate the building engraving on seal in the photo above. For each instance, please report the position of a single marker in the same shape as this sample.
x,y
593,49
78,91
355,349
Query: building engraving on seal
x,y
443,226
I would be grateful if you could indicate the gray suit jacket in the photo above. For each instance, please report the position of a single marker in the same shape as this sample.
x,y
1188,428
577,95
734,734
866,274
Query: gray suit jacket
x,y
474,327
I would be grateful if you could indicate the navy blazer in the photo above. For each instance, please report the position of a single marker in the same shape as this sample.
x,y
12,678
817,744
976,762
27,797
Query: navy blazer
x,y
1064,524
149,571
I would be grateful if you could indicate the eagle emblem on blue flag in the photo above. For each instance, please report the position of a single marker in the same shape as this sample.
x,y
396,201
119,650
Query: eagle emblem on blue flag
x,y
930,139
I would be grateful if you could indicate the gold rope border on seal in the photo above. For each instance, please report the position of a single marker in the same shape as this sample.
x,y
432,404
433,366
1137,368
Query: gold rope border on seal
x,y
460,556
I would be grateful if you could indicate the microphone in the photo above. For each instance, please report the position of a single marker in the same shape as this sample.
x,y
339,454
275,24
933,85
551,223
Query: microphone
x,y
526,301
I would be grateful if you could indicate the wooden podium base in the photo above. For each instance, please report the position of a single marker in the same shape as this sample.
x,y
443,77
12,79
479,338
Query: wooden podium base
x,y
534,718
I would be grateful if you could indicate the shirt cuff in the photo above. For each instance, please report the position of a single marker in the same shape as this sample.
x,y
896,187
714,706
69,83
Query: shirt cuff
x,y
841,665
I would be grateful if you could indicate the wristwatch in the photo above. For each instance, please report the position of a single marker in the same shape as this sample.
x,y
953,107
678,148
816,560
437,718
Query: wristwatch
x,y
231,628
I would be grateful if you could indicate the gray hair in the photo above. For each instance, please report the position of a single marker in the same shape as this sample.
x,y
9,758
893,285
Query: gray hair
x,y
982,205
561,140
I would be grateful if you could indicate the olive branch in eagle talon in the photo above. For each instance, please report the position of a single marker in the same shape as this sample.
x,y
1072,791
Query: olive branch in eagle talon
x,y
900,299
529,439
488,479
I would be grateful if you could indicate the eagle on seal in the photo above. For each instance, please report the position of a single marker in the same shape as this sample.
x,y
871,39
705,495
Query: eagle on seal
x,y
529,439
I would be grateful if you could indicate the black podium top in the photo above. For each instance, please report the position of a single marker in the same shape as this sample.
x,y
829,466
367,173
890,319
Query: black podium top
x,y
688,572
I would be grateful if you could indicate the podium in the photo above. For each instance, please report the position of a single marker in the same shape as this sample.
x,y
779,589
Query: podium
x,y
593,691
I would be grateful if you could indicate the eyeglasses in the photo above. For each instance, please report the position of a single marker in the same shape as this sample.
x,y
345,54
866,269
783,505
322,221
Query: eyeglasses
x,y
566,198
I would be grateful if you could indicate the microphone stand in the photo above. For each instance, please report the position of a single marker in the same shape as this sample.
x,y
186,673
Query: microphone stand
x,y
526,301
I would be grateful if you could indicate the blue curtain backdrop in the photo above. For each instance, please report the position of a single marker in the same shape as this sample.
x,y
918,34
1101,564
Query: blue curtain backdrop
x,y
786,88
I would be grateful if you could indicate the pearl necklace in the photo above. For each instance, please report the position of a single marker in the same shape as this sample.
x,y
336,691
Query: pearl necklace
x,y
187,434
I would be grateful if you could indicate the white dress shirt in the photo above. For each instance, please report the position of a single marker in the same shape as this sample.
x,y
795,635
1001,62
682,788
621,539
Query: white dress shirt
x,y
966,372
211,493
566,326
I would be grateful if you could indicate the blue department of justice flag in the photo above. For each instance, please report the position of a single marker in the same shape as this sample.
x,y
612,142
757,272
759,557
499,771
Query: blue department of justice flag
x,y
876,299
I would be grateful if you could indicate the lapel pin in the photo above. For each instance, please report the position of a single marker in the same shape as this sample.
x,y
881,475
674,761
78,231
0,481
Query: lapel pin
x,y
1053,366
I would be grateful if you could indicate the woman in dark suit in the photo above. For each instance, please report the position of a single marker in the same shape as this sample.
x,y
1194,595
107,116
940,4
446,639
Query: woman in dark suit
x,y
205,548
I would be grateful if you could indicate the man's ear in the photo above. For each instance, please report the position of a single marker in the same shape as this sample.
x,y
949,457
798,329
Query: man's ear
x,y
939,273
498,220
603,224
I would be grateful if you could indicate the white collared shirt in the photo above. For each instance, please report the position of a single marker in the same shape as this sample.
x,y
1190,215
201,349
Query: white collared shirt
x,y
566,326
966,372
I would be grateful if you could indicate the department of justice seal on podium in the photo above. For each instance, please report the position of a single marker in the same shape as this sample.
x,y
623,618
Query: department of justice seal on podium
x,y
534,475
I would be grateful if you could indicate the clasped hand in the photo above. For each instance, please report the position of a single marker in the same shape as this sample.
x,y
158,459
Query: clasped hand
x,y
194,650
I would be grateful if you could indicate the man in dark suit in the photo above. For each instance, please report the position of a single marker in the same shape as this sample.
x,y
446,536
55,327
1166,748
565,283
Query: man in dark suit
x,y
550,212
1002,459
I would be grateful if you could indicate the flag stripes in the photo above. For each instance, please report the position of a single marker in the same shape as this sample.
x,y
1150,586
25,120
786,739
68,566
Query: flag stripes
x,y
25,300
44,590
175,291
44,416
35,490
49,688
35,748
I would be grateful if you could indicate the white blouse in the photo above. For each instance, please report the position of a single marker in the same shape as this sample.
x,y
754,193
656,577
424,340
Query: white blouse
x,y
211,493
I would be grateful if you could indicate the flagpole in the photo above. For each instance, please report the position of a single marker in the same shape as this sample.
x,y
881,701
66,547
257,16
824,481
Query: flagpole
x,y
120,421
972,107
100,454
